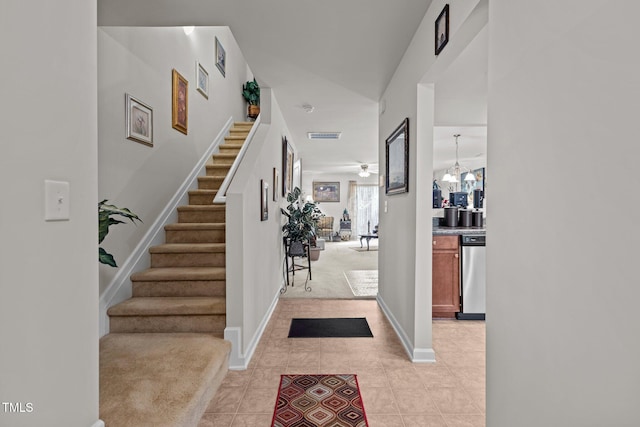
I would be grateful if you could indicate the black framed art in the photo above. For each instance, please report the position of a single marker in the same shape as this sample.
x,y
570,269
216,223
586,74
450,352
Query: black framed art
x,y
442,30
397,160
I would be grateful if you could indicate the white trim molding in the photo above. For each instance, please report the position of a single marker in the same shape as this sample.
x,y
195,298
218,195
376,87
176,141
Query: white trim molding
x,y
98,423
120,287
417,355
238,360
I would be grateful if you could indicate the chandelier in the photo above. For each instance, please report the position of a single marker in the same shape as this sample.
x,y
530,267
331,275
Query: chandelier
x,y
456,170
365,171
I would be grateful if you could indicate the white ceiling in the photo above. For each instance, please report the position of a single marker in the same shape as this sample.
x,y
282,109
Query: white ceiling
x,y
334,55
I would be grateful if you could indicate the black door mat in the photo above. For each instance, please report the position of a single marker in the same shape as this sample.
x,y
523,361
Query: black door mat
x,y
356,327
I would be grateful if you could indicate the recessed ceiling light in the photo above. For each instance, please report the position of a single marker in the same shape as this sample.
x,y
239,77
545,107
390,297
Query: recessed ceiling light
x,y
324,135
308,108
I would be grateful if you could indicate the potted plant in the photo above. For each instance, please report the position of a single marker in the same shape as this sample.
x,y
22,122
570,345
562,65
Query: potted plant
x,y
106,219
251,94
302,222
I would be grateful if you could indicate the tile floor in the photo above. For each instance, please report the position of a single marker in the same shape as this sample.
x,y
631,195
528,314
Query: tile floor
x,y
395,392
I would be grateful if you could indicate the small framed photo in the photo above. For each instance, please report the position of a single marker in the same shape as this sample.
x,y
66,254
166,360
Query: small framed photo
x,y
442,29
202,80
276,184
326,191
139,119
397,160
221,57
180,102
264,200
287,167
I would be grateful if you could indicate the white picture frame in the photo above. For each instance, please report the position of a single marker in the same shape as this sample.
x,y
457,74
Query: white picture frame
x,y
139,120
202,80
221,58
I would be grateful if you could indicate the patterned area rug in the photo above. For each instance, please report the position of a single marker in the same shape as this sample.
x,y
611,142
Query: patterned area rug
x,y
363,283
319,401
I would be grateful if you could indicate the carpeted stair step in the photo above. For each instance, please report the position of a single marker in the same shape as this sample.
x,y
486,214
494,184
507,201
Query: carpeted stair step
x,y
230,148
202,196
235,139
210,182
159,379
180,282
223,159
239,131
218,169
195,232
188,255
201,213
169,314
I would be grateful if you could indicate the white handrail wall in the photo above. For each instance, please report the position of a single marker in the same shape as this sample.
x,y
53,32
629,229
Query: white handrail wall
x,y
221,195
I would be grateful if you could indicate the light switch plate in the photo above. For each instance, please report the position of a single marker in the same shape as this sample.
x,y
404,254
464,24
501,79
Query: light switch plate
x,y
56,200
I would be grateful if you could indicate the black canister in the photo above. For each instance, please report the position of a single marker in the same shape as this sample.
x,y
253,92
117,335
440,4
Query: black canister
x,y
451,216
465,218
477,219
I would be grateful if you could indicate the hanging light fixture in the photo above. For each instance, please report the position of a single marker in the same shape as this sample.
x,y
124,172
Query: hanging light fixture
x,y
365,171
452,174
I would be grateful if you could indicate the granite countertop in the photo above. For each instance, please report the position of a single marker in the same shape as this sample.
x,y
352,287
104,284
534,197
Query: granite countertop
x,y
443,230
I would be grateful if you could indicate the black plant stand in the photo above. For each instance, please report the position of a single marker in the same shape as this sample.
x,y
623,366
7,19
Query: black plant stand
x,y
295,267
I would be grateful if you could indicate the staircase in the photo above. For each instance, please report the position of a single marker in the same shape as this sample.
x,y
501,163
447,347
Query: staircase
x,y
184,288
164,358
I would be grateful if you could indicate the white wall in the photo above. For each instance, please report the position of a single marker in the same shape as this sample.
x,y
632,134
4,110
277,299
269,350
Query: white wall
x,y
139,61
48,270
562,281
404,261
336,209
255,277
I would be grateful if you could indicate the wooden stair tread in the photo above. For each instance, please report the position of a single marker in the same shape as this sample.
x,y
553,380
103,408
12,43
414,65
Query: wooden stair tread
x,y
180,273
169,306
187,248
205,208
201,226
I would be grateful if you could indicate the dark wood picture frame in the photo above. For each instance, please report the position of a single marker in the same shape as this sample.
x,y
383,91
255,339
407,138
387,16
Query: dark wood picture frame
x,y
276,184
442,30
397,160
287,167
264,200
326,191
179,102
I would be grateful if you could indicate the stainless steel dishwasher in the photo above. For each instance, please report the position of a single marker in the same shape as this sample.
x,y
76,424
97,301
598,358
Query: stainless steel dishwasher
x,y
473,283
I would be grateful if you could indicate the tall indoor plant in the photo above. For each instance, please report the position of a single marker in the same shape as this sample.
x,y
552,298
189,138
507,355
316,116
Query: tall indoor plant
x,y
302,222
106,214
251,94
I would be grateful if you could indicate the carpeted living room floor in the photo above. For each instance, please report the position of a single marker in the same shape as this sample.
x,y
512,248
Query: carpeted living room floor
x,y
329,274
395,392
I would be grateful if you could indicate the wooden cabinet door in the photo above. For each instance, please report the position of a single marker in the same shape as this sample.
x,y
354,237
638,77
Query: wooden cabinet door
x,y
445,277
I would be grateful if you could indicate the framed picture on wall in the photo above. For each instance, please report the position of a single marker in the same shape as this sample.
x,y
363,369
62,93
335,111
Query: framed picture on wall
x,y
264,200
442,30
297,174
179,102
287,167
326,191
397,160
221,58
139,120
276,184
202,80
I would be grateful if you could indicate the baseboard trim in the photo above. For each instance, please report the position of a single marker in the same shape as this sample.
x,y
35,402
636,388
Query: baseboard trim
x,y
98,423
417,355
120,287
238,360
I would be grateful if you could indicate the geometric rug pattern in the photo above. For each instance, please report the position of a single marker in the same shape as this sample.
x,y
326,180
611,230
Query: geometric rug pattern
x,y
363,283
319,401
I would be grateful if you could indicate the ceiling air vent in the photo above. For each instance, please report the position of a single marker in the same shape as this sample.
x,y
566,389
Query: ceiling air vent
x,y
324,135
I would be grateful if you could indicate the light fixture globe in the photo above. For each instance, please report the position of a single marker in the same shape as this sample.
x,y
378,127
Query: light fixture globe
x,y
364,172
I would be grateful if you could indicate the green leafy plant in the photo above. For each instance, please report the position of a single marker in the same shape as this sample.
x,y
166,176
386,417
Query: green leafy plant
x,y
251,92
106,214
302,218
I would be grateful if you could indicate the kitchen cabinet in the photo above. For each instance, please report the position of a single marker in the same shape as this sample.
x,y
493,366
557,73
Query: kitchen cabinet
x,y
446,276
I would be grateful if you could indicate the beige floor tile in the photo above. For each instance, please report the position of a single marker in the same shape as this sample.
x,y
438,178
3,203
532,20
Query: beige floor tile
x,y
437,375
301,358
378,400
226,400
465,420
371,377
252,420
415,401
265,377
453,401
385,421
237,378
216,420
403,378
424,421
259,401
